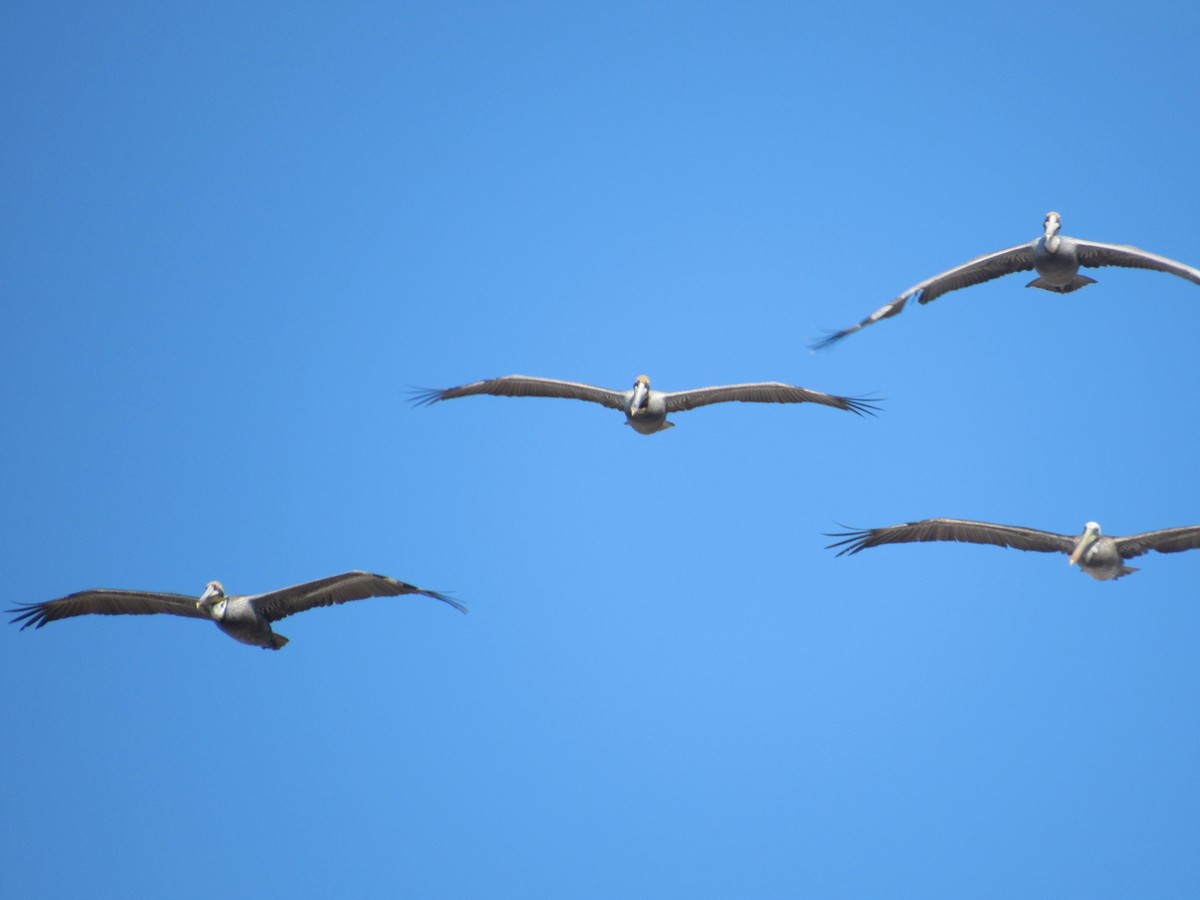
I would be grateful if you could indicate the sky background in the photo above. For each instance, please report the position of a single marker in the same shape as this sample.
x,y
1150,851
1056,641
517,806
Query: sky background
x,y
235,237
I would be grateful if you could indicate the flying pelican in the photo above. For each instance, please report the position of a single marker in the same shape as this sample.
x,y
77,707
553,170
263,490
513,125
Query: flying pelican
x,y
1101,557
244,618
645,409
1056,257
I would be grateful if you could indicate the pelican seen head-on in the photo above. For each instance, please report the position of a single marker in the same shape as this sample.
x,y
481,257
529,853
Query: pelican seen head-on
x,y
1056,257
1098,555
646,409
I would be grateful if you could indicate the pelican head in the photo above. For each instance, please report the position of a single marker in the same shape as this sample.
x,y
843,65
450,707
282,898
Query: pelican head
x,y
213,595
1052,224
641,393
1091,531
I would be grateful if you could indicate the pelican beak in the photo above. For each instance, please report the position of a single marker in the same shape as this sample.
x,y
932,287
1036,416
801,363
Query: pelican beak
x,y
206,597
639,396
1086,541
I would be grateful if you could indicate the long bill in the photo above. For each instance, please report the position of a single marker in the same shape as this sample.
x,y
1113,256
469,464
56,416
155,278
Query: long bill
x,y
639,396
1086,541
206,598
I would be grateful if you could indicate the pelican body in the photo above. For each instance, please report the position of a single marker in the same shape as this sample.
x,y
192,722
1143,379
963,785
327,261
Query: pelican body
x,y
645,409
245,618
1098,555
1055,256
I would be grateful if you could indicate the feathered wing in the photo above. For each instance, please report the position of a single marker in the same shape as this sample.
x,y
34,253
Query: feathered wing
x,y
1094,254
763,392
1167,540
343,588
975,271
525,386
964,530
106,602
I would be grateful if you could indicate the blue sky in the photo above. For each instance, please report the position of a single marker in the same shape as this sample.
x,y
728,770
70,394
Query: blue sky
x,y
234,238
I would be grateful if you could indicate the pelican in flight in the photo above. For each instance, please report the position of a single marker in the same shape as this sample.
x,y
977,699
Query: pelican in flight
x,y
1098,555
646,410
244,618
1056,257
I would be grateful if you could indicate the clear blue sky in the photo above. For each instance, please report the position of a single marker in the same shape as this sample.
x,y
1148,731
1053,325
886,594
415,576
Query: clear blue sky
x,y
233,238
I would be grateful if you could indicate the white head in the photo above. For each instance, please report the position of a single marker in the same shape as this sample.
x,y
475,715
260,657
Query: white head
x,y
1091,531
212,600
1052,224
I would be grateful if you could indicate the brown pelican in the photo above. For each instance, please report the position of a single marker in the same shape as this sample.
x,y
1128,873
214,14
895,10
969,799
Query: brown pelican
x,y
1101,557
1056,257
244,618
645,409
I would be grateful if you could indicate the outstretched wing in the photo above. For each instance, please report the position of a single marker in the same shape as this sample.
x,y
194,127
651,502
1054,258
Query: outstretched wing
x,y
1167,540
954,530
106,602
763,392
343,588
525,386
1094,254
976,271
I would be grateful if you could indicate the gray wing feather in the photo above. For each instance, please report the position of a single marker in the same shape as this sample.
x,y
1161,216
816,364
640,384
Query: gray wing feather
x,y
763,392
1167,540
343,588
1094,254
106,602
525,386
954,530
975,271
